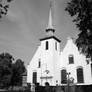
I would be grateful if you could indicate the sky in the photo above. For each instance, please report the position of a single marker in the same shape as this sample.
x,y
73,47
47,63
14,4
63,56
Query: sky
x,y
26,22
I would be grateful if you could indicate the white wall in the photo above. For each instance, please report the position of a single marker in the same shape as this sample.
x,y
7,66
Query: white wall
x,y
79,60
54,61
49,59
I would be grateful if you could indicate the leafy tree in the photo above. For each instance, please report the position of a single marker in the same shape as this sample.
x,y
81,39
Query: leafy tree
x,y
5,69
81,11
10,72
4,5
18,70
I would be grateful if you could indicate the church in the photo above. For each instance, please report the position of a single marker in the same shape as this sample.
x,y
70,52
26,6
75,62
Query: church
x,y
55,66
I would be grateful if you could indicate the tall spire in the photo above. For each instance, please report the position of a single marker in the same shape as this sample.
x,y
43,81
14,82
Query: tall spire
x,y
50,23
50,28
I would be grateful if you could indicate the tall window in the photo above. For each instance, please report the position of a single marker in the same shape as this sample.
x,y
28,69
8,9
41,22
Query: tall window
x,y
56,45
34,77
47,45
91,69
63,76
71,59
80,78
39,63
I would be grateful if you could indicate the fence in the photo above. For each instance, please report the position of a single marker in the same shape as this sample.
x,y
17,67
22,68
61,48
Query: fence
x,y
78,88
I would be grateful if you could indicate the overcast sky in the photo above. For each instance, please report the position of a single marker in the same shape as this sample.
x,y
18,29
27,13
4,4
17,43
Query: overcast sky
x,y
25,24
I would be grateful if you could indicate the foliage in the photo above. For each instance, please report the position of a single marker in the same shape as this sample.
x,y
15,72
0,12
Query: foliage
x,y
4,5
18,69
10,73
81,11
5,69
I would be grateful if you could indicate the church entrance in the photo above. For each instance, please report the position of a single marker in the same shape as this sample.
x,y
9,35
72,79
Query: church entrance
x,y
46,79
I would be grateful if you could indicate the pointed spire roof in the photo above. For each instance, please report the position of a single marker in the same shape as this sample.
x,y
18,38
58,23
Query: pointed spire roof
x,y
50,27
50,23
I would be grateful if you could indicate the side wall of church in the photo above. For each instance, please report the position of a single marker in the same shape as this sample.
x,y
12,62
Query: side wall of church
x,y
79,61
33,65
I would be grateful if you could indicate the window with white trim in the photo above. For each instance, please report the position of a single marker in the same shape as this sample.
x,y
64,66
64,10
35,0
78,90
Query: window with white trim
x,y
47,45
80,77
71,59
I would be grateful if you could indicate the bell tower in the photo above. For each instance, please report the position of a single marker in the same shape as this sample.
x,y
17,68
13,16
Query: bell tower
x,y
43,66
50,46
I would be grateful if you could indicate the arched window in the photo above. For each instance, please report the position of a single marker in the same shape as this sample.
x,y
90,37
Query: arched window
x,y
34,77
71,59
80,77
63,76
47,45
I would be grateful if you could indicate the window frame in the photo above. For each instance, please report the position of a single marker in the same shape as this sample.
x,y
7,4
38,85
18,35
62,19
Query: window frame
x,y
63,77
47,45
55,45
71,59
39,63
34,77
80,75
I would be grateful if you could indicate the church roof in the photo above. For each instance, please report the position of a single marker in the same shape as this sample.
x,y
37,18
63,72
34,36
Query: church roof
x,y
50,37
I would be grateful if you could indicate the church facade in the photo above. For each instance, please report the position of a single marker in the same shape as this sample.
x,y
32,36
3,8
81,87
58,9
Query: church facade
x,y
55,66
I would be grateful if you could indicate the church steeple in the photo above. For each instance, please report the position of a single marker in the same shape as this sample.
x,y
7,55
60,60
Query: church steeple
x,y
50,23
50,29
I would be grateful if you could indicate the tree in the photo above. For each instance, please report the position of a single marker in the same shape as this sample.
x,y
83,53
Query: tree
x,y
81,11
10,72
5,69
4,5
18,69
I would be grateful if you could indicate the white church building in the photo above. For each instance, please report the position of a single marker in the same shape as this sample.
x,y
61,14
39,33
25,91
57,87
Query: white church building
x,y
53,65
